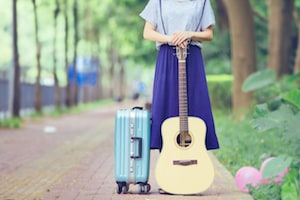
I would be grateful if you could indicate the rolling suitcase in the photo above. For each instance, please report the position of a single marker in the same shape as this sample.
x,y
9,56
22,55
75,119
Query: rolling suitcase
x,y
132,149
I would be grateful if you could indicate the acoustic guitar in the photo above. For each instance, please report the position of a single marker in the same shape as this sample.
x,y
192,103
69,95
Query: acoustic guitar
x,y
184,166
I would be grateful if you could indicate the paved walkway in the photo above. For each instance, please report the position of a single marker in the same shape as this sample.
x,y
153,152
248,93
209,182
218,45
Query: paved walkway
x,y
71,158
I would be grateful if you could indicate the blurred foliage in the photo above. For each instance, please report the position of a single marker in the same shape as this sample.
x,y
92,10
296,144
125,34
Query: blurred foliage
x,y
103,24
13,122
217,53
220,87
279,116
272,130
259,80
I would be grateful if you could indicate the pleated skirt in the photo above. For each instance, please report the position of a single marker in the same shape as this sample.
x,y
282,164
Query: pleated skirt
x,y
165,102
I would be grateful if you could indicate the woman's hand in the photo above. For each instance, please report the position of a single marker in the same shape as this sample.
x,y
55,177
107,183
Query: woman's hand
x,y
181,38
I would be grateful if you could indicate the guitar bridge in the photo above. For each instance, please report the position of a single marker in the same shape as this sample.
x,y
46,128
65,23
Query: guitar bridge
x,y
185,162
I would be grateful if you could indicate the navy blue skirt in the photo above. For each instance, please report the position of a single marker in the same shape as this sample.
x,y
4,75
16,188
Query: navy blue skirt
x,y
165,101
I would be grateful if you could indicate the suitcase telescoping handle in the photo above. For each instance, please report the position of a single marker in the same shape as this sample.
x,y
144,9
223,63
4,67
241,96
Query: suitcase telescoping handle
x,y
140,146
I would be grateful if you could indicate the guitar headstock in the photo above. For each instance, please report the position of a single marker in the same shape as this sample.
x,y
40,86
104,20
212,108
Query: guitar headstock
x,y
181,53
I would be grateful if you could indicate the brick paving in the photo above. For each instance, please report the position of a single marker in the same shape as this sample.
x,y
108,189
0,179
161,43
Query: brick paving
x,y
71,158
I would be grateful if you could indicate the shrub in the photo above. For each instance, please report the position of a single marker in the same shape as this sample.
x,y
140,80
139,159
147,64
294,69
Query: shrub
x,y
279,115
220,90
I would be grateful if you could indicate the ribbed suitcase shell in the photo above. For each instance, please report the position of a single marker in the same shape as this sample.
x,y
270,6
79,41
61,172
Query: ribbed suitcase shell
x,y
132,148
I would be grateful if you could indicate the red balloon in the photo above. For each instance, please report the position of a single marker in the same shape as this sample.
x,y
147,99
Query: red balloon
x,y
247,176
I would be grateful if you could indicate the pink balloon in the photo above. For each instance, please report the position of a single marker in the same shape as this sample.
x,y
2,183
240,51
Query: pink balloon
x,y
245,176
278,178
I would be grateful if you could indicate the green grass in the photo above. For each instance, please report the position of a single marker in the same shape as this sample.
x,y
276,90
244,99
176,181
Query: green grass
x,y
56,112
17,122
81,107
219,77
241,145
13,122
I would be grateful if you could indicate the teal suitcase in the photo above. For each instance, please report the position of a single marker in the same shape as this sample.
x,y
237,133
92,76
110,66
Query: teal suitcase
x,y
132,149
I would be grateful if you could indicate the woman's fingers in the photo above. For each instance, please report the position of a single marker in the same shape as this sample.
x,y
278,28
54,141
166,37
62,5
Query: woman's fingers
x,y
180,37
183,44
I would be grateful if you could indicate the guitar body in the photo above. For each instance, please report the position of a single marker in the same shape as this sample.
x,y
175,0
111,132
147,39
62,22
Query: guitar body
x,y
184,170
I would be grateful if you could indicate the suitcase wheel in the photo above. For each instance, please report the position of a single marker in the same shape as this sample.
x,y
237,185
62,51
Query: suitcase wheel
x,y
145,188
122,187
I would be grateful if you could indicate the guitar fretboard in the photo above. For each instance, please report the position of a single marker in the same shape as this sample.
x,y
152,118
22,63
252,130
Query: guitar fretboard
x,y
183,103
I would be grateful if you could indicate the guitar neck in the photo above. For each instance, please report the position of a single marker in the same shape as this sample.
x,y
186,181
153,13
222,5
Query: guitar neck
x,y
183,103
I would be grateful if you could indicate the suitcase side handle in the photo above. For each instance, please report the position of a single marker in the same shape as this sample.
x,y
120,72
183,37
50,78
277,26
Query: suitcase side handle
x,y
137,107
140,146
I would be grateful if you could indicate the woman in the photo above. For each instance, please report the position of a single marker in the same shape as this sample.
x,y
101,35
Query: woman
x,y
180,23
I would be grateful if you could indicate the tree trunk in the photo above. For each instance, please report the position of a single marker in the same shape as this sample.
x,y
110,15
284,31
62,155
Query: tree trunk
x,y
222,16
122,82
243,50
76,39
68,95
297,59
113,61
16,88
99,85
280,33
56,82
38,88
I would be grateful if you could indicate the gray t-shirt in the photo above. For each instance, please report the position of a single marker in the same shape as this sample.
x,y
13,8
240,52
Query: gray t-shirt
x,y
179,15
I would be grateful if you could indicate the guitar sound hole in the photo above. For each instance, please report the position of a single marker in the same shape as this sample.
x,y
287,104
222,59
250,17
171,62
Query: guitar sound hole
x,y
184,139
